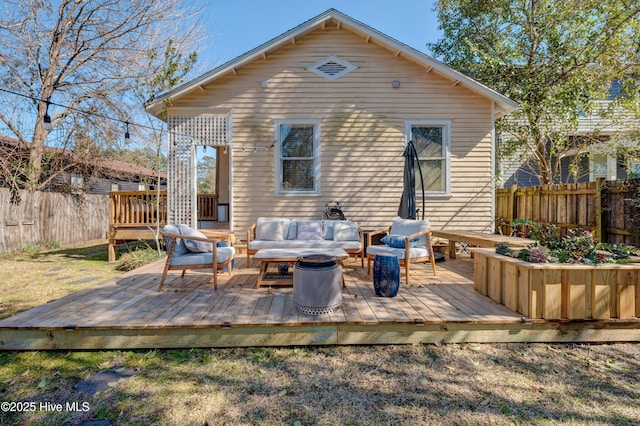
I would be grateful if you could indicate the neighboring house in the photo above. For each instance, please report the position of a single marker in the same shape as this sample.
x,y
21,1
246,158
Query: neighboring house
x,y
600,161
323,112
94,176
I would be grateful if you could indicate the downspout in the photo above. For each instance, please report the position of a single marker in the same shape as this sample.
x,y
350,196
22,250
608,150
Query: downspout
x,y
493,166
230,143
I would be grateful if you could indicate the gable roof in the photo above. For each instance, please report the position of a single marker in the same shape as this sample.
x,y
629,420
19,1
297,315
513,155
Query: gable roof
x,y
504,105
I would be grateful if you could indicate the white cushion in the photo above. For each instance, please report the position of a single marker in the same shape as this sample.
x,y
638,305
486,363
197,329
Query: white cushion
x,y
406,227
345,231
310,230
271,228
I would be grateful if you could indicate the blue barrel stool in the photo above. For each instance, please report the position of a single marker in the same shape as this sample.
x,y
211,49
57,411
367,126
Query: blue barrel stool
x,y
386,275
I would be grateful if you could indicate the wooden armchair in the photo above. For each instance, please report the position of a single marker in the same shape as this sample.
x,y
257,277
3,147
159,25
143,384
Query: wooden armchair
x,y
412,244
181,257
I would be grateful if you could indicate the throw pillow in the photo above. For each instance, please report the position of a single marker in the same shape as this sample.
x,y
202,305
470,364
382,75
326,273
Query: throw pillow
x,y
310,230
269,229
397,241
345,231
293,230
191,245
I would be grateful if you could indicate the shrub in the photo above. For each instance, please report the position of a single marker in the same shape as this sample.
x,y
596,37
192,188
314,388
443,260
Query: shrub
x,y
136,258
30,248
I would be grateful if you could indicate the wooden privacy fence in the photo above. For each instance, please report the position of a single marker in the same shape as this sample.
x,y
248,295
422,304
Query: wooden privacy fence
x,y
48,217
602,207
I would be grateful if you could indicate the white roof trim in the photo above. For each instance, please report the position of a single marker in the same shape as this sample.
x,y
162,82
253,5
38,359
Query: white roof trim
x,y
504,105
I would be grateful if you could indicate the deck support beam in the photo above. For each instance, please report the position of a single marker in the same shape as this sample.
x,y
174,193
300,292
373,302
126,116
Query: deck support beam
x,y
317,334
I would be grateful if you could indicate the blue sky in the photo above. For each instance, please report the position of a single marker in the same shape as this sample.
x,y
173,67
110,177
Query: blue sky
x,y
237,26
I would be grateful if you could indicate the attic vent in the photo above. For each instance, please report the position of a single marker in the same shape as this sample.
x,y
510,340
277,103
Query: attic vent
x,y
332,67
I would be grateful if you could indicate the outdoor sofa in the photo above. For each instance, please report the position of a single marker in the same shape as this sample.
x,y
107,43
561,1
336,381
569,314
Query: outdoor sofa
x,y
279,233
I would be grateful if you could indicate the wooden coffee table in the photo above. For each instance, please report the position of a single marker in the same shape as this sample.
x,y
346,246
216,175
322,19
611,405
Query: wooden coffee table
x,y
288,257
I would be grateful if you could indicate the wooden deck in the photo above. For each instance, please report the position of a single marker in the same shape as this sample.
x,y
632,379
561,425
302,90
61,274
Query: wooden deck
x,y
128,312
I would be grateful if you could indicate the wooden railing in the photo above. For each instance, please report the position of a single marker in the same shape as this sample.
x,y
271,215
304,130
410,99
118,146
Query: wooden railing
x,y
137,208
207,207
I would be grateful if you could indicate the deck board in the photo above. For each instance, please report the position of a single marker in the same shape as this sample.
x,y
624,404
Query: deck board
x,y
129,312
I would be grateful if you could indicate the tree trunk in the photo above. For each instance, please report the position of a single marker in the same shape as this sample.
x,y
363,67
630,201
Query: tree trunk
x,y
36,151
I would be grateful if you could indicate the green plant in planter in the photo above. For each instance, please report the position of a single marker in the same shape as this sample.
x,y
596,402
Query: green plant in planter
x,y
619,252
576,246
503,248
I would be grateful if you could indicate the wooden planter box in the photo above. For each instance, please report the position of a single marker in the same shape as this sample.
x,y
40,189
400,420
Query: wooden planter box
x,y
559,291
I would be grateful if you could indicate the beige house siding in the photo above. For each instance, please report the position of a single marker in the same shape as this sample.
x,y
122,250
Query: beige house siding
x,y
362,121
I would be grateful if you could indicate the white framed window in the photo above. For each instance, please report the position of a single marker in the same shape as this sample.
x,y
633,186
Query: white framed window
x,y
633,168
432,141
77,183
297,157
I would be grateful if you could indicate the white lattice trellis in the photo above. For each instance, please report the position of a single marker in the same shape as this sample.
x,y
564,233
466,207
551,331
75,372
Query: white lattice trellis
x,y
185,133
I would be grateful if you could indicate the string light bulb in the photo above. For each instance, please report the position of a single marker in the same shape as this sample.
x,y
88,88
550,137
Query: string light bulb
x,y
47,119
127,136
48,122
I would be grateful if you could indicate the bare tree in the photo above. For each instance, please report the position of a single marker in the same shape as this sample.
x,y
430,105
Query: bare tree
x,y
64,58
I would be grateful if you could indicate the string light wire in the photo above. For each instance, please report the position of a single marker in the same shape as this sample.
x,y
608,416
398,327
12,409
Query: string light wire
x,y
47,120
126,122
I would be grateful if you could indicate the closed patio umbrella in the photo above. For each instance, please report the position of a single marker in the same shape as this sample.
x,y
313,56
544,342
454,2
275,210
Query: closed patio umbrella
x,y
407,208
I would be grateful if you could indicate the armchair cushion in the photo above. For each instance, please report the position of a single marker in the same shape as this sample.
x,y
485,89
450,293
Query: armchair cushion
x,y
191,245
408,227
223,254
398,241
179,248
414,252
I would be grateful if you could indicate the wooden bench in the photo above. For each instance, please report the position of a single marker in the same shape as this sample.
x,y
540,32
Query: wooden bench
x,y
478,239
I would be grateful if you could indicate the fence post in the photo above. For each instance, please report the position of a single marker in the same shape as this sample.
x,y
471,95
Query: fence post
x,y
600,231
513,203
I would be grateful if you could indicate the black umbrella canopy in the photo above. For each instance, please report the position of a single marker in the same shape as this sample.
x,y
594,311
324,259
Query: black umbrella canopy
x,y
407,208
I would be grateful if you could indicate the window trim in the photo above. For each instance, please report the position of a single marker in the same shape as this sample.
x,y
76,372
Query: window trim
x,y
278,156
446,135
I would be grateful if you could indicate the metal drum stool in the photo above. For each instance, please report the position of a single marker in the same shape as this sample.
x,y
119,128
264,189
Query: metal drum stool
x,y
317,284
